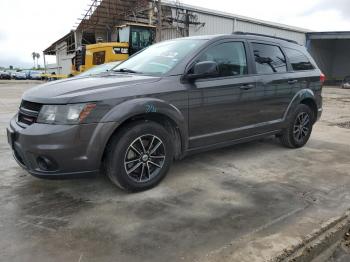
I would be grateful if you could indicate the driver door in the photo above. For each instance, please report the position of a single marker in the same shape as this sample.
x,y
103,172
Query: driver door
x,y
221,107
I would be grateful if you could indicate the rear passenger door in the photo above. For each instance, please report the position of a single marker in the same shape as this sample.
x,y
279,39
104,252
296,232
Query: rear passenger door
x,y
274,89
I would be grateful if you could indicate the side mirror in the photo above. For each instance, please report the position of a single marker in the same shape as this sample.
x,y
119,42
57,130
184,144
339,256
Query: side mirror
x,y
204,69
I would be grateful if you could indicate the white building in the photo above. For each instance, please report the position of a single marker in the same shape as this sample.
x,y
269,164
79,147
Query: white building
x,y
216,22
178,20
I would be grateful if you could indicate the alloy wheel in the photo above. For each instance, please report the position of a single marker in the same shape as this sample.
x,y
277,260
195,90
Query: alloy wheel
x,y
144,158
301,127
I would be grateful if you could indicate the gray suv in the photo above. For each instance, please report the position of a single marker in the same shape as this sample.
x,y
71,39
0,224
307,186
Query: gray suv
x,y
172,99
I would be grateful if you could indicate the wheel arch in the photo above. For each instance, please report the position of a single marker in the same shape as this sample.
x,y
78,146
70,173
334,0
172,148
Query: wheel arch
x,y
149,109
304,96
312,104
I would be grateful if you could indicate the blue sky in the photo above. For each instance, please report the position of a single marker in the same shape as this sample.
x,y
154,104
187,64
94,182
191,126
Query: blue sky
x,y
27,26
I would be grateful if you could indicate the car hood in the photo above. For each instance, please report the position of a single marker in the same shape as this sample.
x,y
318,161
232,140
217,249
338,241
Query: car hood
x,y
83,89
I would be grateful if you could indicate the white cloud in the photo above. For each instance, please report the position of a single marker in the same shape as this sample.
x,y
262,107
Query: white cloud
x,y
318,15
27,26
326,20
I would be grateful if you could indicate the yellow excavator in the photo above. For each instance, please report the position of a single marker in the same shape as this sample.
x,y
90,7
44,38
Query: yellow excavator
x,y
131,38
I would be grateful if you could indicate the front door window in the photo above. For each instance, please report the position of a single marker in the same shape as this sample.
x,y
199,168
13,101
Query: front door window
x,y
230,57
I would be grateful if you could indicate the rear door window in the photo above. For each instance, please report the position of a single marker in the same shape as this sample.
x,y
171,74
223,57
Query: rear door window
x,y
230,57
269,59
298,60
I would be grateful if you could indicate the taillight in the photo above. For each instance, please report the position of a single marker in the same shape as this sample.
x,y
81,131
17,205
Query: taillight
x,y
322,78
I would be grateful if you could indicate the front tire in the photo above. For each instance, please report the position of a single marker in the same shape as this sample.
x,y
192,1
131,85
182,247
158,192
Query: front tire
x,y
299,128
139,156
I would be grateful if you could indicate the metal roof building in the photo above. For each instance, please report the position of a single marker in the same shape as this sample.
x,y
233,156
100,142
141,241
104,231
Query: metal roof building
x,y
216,22
331,51
172,19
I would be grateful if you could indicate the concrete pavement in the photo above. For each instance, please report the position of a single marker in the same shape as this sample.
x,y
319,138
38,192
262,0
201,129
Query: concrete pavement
x,y
248,202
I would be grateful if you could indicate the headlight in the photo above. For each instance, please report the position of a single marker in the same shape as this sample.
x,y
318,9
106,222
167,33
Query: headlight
x,y
65,114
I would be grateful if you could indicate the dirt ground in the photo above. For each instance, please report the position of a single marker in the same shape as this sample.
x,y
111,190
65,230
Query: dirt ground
x,y
242,203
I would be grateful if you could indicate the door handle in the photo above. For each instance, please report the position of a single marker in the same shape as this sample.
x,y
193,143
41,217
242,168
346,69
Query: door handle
x,y
292,82
247,86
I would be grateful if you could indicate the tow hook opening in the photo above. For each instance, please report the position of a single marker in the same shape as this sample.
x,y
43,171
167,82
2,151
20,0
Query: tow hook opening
x,y
46,164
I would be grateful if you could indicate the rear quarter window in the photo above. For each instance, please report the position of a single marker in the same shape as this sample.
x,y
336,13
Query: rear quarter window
x,y
298,60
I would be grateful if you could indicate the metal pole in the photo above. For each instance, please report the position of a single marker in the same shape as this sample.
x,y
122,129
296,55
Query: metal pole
x,y
44,63
150,13
159,25
187,23
234,25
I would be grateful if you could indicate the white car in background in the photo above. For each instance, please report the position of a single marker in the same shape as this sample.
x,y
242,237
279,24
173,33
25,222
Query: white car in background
x,y
346,82
20,76
36,75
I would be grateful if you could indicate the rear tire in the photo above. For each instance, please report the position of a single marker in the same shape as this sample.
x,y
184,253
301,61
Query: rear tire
x,y
139,156
299,128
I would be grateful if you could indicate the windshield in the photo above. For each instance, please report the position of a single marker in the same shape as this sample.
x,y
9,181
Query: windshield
x,y
160,58
100,69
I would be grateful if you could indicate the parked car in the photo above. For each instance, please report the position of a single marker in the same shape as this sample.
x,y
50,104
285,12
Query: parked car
x,y
172,99
35,75
13,75
11,72
5,75
99,69
26,72
21,76
346,82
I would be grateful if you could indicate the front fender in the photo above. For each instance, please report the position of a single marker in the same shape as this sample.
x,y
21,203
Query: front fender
x,y
144,106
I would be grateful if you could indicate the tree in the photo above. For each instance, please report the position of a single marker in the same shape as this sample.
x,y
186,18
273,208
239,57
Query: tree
x,y
11,67
34,56
37,59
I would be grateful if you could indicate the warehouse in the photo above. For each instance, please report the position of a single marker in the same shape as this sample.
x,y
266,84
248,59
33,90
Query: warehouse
x,y
331,50
215,22
172,20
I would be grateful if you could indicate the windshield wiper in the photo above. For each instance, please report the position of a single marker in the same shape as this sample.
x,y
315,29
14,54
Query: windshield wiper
x,y
126,70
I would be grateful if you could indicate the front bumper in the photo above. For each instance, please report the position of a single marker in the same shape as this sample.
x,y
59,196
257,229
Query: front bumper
x,y
68,150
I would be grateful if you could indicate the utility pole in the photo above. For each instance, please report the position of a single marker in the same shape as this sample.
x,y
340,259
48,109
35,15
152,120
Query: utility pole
x,y
45,67
187,23
159,25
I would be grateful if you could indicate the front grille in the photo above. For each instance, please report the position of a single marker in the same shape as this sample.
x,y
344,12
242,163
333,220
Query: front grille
x,y
28,112
31,105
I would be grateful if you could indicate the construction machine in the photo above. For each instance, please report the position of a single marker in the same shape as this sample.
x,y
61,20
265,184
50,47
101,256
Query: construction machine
x,y
131,38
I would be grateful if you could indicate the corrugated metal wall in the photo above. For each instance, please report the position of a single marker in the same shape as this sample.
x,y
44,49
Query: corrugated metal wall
x,y
332,57
341,62
269,30
223,25
213,25
171,33
322,52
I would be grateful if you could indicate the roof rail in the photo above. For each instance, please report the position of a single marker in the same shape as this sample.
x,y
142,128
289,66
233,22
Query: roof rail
x,y
269,36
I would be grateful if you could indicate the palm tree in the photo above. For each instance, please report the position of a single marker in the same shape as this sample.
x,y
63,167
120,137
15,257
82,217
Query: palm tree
x,y
34,56
37,59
